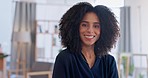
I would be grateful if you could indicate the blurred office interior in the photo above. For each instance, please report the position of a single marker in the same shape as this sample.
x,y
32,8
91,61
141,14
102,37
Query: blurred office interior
x,y
29,36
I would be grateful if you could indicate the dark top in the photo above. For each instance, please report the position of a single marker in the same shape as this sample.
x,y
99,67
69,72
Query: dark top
x,y
74,65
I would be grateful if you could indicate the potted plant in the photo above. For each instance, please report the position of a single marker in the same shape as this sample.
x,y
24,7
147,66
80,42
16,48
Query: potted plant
x,y
2,55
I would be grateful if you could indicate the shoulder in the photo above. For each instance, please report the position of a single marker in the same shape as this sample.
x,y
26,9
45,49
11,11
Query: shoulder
x,y
111,66
64,55
62,63
109,58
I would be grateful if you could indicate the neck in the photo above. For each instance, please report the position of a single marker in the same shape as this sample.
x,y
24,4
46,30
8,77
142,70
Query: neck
x,y
88,51
89,55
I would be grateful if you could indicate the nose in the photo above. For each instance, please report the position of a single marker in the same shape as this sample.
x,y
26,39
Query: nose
x,y
90,29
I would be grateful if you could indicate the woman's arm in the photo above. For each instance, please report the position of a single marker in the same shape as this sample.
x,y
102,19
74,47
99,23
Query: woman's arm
x,y
59,71
113,68
61,66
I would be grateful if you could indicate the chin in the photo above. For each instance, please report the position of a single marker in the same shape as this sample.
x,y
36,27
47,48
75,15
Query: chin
x,y
89,44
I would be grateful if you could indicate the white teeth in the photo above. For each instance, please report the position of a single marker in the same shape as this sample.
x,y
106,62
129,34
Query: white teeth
x,y
89,36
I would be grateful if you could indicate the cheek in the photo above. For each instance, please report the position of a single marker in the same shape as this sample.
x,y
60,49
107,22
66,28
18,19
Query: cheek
x,y
98,31
81,31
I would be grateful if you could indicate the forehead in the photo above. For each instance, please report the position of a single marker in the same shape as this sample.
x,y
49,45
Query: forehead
x,y
90,16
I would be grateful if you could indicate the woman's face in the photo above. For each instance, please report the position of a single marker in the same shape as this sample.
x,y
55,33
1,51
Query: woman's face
x,y
89,29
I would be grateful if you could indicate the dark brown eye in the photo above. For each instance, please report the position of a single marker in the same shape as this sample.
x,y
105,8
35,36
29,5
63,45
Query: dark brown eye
x,y
84,25
96,26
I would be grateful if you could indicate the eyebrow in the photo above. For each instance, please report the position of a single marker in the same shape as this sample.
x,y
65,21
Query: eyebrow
x,y
88,22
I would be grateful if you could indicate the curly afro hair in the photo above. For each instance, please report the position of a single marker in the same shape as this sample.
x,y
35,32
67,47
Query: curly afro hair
x,y
70,22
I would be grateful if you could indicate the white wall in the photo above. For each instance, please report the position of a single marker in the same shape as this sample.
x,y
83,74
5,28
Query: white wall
x,y
5,24
139,24
51,12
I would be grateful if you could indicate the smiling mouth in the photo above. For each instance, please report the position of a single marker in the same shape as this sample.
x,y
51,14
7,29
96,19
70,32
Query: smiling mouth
x,y
89,36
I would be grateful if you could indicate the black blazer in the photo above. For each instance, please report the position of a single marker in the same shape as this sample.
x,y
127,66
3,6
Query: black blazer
x,y
73,65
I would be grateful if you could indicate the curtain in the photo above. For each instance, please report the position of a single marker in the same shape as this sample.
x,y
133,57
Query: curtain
x,y
125,30
24,32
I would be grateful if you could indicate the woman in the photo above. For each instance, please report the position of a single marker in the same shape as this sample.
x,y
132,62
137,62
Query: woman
x,y
88,33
